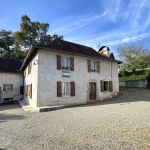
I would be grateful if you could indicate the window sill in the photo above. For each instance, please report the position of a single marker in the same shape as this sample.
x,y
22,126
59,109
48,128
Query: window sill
x,y
66,96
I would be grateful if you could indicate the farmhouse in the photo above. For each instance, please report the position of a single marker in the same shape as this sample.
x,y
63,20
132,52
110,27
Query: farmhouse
x,y
67,73
11,80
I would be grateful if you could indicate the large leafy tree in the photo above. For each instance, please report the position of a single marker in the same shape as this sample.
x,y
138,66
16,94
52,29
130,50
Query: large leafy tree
x,y
6,42
32,33
134,54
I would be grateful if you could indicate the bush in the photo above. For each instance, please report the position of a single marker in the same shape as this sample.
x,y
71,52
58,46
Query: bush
x,y
146,72
141,77
123,73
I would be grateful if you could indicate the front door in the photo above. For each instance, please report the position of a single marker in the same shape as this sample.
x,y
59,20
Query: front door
x,y
92,92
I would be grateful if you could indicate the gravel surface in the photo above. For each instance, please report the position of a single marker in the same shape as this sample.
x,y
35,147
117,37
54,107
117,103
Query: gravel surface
x,y
123,123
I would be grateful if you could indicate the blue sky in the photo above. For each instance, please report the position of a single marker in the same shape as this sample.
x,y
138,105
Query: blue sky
x,y
87,22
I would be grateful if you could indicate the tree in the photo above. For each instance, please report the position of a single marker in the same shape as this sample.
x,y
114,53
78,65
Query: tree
x,y
6,41
32,33
134,53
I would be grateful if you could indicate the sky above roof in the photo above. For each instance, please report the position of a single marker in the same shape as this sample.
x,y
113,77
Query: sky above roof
x,y
86,22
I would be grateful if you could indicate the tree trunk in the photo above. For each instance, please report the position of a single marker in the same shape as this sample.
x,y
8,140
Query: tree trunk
x,y
133,71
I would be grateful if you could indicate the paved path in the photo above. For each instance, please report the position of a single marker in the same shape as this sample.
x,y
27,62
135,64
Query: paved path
x,y
123,123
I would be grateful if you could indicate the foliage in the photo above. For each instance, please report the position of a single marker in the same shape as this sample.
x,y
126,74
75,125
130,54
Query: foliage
x,y
123,73
6,41
32,33
16,45
134,54
141,77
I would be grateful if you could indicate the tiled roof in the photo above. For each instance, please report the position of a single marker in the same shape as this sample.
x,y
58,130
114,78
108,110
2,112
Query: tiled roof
x,y
65,47
74,48
9,65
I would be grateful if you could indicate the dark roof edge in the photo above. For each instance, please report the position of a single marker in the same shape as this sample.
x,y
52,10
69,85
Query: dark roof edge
x,y
39,47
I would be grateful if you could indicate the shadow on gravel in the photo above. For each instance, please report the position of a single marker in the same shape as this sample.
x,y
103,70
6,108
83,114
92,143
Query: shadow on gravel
x,y
9,106
10,117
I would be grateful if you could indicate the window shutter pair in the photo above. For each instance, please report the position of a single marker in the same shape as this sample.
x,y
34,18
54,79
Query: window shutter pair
x,y
22,90
110,86
59,88
59,63
89,66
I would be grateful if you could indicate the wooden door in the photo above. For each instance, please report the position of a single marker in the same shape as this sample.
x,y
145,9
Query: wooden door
x,y
92,92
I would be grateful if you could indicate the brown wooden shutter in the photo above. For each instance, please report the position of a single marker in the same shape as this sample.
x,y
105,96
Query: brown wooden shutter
x,y
30,91
59,89
58,62
98,66
25,73
26,90
110,86
71,64
22,90
102,85
89,65
72,84
30,66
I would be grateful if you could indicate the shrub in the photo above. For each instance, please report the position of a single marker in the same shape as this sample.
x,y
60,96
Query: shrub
x,y
141,77
124,73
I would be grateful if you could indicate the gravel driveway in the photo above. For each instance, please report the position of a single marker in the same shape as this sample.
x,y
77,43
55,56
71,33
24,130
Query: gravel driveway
x,y
123,123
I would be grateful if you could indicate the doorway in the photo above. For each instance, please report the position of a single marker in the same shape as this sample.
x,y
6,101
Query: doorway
x,y
92,91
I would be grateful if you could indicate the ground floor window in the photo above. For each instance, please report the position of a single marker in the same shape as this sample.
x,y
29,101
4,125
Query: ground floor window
x,y
7,87
66,88
106,86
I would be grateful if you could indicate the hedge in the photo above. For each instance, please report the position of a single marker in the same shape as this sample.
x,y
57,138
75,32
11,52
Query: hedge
x,y
122,79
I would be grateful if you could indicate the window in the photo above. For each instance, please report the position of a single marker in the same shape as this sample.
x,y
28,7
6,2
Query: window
x,y
66,88
7,87
106,86
65,64
29,67
93,66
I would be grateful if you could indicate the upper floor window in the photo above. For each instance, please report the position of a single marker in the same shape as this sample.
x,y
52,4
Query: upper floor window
x,y
65,65
93,66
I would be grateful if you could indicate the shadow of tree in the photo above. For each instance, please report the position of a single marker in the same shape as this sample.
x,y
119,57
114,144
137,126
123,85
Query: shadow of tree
x,y
10,117
9,106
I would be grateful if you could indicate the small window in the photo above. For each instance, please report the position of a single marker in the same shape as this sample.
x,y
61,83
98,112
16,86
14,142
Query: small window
x,y
66,89
106,86
65,63
93,66
7,87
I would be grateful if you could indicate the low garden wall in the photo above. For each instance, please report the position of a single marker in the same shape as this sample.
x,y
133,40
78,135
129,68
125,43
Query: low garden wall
x,y
134,83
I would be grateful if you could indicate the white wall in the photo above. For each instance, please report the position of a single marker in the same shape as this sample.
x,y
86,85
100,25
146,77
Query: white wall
x,y
13,79
48,75
32,79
